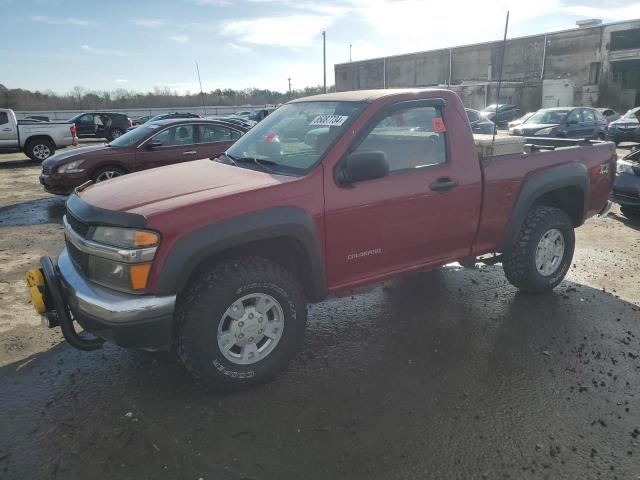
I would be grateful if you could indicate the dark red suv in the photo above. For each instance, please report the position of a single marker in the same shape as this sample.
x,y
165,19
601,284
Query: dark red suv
x,y
151,145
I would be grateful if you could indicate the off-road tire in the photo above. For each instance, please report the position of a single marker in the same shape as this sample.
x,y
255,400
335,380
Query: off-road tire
x,y
630,212
519,262
32,146
201,307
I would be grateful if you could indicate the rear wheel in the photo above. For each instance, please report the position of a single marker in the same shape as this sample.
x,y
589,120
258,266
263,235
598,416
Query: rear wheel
x,y
542,253
107,173
240,323
40,149
114,133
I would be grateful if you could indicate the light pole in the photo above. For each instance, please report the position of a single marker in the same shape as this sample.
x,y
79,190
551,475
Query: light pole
x,y
350,51
289,87
324,59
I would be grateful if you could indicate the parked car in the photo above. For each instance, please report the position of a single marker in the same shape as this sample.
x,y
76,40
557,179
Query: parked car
x,y
479,123
38,140
506,113
563,122
520,120
259,115
154,144
243,113
41,118
167,116
626,186
107,125
609,114
245,122
626,128
220,258
135,121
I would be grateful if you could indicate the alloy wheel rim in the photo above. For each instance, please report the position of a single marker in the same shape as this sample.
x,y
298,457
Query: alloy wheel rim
x,y
108,175
250,329
41,152
550,252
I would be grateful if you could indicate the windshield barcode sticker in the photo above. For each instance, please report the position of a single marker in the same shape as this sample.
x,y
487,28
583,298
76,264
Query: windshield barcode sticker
x,y
329,120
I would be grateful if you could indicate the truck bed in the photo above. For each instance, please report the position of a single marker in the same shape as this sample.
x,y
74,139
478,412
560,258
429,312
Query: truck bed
x,y
504,176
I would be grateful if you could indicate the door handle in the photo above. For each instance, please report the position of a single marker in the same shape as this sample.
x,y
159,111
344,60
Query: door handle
x,y
190,152
443,184
6,129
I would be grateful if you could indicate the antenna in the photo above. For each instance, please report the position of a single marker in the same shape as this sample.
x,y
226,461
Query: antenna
x,y
504,47
324,59
201,94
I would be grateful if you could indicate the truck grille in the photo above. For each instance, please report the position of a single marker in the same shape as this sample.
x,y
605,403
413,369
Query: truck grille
x,y
79,259
46,170
79,227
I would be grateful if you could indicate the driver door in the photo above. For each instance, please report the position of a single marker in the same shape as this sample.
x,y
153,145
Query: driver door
x,y
176,144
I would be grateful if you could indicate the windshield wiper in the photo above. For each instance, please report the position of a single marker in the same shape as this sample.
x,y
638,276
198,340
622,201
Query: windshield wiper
x,y
231,159
262,163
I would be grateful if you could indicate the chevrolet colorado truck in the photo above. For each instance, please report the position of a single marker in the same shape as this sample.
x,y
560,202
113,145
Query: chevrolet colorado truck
x,y
218,258
38,140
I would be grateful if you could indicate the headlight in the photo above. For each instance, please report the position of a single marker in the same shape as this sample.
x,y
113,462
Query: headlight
x,y
71,167
622,166
544,131
125,237
125,277
132,273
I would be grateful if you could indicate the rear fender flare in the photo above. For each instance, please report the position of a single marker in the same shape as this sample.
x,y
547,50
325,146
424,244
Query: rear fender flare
x,y
568,175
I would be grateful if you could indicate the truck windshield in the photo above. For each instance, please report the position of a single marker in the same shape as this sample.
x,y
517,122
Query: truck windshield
x,y
548,117
134,136
294,137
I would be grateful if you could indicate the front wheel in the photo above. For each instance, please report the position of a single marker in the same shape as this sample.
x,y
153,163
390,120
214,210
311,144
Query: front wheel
x,y
542,253
107,173
240,323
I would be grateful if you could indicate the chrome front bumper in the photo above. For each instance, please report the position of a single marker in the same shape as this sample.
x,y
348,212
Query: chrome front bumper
x,y
136,321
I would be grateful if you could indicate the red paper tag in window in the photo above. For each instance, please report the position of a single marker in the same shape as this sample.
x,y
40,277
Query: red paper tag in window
x,y
438,125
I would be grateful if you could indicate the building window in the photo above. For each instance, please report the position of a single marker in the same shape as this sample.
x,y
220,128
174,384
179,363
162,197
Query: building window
x,y
594,73
625,39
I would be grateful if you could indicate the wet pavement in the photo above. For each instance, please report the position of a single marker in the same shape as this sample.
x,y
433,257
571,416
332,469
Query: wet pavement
x,y
451,374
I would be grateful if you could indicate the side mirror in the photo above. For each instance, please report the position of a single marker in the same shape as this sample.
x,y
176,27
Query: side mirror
x,y
152,145
572,122
363,166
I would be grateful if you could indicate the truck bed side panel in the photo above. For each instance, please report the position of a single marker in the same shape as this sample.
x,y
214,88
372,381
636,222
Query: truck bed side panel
x,y
506,175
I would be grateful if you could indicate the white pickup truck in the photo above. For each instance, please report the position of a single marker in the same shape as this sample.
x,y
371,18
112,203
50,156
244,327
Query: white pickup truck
x,y
39,140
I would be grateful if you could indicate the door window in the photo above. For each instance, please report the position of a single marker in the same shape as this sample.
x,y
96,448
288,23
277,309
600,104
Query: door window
x,y
4,118
588,116
574,117
86,119
217,133
175,136
410,138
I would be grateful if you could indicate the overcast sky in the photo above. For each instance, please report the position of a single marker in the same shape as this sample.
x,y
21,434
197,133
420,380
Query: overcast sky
x,y
142,44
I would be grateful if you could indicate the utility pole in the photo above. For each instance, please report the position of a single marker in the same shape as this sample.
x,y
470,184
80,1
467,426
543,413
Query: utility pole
x,y
350,45
201,94
289,87
324,59
504,47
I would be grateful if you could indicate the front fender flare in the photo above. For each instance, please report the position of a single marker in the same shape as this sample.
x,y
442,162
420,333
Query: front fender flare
x,y
283,221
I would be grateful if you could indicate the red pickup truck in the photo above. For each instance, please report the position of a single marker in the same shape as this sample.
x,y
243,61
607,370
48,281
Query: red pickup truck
x,y
219,258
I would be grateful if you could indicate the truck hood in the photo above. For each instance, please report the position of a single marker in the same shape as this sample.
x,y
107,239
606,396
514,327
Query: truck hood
x,y
174,186
71,154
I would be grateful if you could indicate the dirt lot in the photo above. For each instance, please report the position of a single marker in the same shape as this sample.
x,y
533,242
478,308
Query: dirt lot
x,y
452,374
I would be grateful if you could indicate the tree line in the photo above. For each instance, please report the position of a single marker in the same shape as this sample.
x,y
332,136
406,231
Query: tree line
x,y
80,98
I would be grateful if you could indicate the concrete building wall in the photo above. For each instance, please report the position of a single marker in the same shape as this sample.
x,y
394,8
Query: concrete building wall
x,y
602,77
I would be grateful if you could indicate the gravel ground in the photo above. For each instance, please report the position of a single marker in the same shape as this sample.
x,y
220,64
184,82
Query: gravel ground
x,y
451,374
